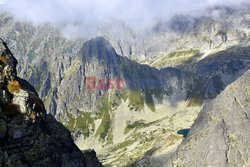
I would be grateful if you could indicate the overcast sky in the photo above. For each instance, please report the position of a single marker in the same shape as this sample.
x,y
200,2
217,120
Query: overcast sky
x,y
96,13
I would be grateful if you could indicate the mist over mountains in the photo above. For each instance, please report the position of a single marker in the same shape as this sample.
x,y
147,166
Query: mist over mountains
x,y
198,53
84,18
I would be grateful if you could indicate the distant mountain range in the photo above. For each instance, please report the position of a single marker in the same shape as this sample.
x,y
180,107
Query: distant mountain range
x,y
193,59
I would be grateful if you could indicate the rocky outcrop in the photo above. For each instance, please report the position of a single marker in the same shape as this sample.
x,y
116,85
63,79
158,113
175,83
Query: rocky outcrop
x,y
120,111
58,67
28,136
220,134
214,29
97,58
59,76
221,69
195,37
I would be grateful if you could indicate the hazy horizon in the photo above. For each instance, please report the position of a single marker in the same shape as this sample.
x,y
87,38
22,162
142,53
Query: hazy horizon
x,y
86,17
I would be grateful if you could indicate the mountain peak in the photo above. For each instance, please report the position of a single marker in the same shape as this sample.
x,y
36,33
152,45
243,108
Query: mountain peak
x,y
28,136
97,47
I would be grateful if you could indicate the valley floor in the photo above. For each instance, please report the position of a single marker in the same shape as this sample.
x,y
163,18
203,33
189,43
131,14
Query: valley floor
x,y
153,137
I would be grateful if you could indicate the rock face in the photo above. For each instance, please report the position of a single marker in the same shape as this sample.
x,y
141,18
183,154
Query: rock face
x,y
222,68
220,135
59,76
97,58
193,37
205,46
215,28
29,137
108,116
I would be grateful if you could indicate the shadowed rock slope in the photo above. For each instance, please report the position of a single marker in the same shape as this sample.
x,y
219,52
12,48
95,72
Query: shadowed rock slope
x,y
97,58
29,137
220,135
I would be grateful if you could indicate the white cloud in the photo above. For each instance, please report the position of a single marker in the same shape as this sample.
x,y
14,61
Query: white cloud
x,y
2,2
92,14
225,2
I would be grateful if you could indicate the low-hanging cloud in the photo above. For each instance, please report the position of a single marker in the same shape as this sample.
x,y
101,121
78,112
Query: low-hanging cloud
x,y
91,15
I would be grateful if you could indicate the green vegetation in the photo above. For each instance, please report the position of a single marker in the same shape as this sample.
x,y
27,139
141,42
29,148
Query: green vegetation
x,y
149,101
105,125
172,139
81,123
86,124
119,95
218,46
183,53
123,145
232,138
180,56
136,100
124,96
194,102
137,125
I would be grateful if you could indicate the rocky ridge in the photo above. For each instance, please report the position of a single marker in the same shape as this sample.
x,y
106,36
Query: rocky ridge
x,y
206,46
220,134
218,137
116,113
30,137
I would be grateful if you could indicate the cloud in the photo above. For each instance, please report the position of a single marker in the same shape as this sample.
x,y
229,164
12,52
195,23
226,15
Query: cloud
x,y
226,2
2,2
91,15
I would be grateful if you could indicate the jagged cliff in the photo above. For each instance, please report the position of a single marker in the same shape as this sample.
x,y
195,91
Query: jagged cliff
x,y
119,116
97,58
28,136
211,50
220,134
185,37
103,119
